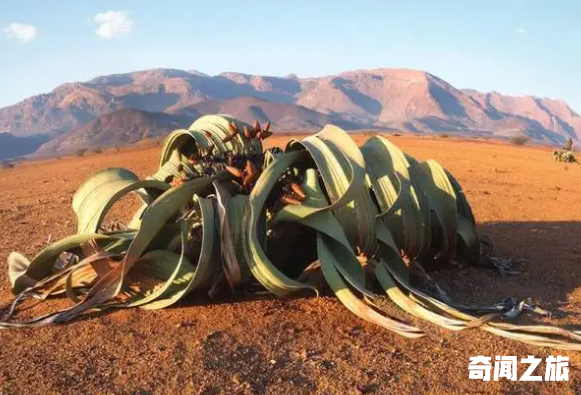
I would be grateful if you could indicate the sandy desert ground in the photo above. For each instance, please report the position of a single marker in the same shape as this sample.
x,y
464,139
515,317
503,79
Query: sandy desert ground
x,y
527,203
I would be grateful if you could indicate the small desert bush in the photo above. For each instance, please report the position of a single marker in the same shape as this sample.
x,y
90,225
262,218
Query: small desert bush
x,y
444,135
81,152
519,140
7,165
565,156
98,150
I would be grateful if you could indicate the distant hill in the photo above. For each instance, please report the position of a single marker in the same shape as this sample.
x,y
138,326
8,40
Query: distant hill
x,y
12,147
118,128
128,126
402,99
285,117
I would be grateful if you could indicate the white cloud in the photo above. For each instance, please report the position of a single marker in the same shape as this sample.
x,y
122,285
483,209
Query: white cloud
x,y
21,32
113,24
520,30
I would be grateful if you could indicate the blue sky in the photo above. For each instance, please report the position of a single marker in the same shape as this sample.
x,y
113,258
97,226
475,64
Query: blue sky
x,y
511,46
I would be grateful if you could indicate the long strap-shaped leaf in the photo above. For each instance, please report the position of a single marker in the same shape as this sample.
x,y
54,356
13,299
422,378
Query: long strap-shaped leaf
x,y
108,286
342,169
388,270
353,303
185,277
24,273
338,262
258,262
230,210
98,194
402,209
433,182
154,218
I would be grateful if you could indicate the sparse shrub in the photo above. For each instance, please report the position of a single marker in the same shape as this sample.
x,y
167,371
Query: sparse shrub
x,y
7,164
565,156
98,150
519,140
444,135
81,152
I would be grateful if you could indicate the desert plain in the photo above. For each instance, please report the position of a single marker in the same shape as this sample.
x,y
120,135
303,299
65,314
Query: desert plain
x,y
527,203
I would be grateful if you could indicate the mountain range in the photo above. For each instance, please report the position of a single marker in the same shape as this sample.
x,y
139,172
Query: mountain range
x,y
122,108
12,146
118,128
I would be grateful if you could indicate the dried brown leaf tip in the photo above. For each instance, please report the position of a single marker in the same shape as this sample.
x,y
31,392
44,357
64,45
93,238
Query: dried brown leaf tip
x,y
249,180
236,172
233,132
233,128
262,133
250,168
178,181
248,133
287,199
251,174
291,187
228,138
208,134
298,190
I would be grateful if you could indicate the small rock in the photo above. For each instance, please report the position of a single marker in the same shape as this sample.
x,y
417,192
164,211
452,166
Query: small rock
x,y
364,389
326,364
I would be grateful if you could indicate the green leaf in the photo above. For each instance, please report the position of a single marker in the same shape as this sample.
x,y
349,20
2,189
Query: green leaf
x,y
98,194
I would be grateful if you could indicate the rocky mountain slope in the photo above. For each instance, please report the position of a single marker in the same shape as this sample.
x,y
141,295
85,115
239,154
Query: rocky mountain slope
x,y
128,126
114,129
12,147
284,116
401,99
